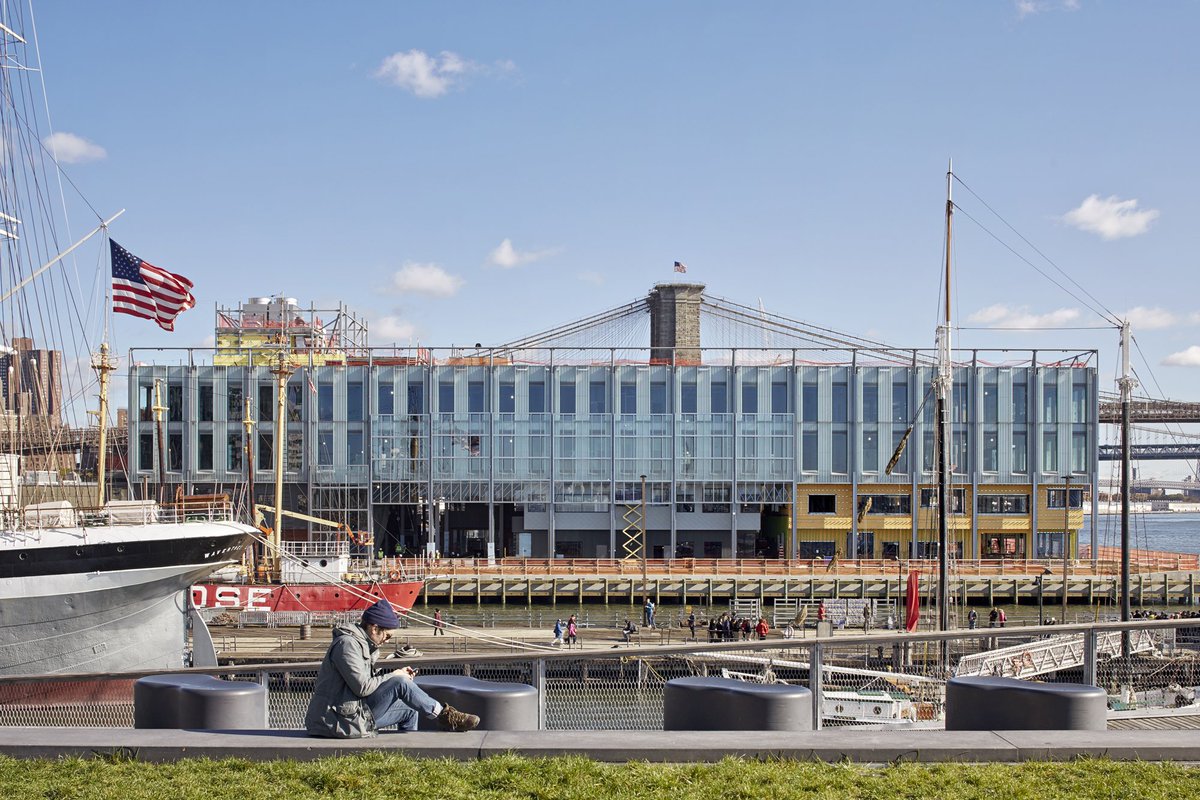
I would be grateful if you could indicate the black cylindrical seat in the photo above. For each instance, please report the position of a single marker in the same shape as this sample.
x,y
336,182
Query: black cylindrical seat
x,y
1007,704
723,704
499,706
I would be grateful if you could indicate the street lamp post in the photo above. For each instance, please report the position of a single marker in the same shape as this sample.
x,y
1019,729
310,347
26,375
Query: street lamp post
x,y
1041,605
1066,542
645,534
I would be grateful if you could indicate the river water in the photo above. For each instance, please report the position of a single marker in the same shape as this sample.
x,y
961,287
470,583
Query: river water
x,y
1165,530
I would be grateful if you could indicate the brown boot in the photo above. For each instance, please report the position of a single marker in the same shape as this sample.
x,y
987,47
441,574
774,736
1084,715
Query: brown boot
x,y
451,719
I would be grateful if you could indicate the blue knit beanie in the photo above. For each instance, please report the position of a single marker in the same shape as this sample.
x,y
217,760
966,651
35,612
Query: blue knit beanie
x,y
381,614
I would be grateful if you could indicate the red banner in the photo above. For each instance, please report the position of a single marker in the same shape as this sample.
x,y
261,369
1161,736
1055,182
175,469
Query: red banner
x,y
912,601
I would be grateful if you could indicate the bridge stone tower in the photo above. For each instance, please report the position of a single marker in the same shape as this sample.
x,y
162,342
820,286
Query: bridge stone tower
x,y
675,323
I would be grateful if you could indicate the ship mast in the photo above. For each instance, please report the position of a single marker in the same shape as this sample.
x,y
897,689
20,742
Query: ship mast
x,y
103,365
943,383
1126,383
282,371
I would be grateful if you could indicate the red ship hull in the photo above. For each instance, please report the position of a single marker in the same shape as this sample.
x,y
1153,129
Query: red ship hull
x,y
304,596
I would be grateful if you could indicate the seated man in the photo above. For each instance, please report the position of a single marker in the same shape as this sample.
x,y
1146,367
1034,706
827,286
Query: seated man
x,y
350,701
629,630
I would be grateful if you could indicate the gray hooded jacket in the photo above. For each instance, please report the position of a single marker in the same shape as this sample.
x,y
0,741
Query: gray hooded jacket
x,y
338,708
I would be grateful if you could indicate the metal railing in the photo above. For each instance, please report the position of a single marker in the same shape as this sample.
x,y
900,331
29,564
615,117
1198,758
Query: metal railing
x,y
1148,561
877,679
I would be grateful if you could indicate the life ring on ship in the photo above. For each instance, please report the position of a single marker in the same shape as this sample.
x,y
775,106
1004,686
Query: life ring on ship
x,y
393,575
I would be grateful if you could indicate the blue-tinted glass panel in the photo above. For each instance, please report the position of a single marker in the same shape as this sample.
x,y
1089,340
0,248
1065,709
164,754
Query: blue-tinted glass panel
x,y
445,398
597,398
508,397
416,397
687,398
779,398
658,398
719,398
354,401
566,398
476,399
537,397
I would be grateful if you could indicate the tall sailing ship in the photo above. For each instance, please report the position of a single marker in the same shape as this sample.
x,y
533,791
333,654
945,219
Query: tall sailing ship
x,y
86,584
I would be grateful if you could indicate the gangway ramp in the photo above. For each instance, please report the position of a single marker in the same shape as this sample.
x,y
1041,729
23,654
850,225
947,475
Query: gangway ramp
x,y
1043,656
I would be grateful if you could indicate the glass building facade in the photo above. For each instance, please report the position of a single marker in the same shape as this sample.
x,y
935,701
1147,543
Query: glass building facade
x,y
746,453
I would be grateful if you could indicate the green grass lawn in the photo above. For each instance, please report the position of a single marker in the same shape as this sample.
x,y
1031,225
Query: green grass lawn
x,y
399,778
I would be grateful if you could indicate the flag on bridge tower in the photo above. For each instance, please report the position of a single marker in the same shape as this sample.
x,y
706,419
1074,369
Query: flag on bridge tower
x,y
680,266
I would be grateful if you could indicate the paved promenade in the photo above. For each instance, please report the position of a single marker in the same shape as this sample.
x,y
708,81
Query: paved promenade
x,y
859,746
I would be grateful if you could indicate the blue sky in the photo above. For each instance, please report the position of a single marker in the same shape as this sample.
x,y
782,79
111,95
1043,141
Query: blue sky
x,y
477,171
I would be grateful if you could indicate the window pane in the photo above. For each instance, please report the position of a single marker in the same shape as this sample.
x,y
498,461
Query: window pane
x,y
1078,403
991,402
749,398
175,402
204,454
1050,451
445,397
537,397
325,448
1079,455
387,398
687,398
839,402
206,402
870,402
991,451
779,398
839,455
870,451
234,409
508,397
416,397
628,398
808,451
355,452
1020,453
566,398
325,401
808,402
1020,403
900,403
658,398
1050,403
354,401
233,452
719,400
597,398
266,402
476,399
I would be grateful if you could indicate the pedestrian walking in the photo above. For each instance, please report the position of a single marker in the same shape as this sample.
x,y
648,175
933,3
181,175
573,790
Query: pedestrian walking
x,y
572,630
439,624
972,618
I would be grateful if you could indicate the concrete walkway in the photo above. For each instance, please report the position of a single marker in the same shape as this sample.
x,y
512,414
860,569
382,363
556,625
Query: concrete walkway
x,y
860,746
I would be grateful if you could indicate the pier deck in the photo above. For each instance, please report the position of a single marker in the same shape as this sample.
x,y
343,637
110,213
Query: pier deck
x,y
837,745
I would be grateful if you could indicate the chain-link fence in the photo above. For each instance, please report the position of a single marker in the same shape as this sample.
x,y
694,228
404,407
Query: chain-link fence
x,y
884,679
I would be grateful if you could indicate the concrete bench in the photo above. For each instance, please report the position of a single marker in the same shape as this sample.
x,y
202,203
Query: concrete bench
x,y
1009,704
198,702
500,706
723,704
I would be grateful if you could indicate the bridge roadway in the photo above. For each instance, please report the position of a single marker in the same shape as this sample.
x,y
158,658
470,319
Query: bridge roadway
x,y
1152,452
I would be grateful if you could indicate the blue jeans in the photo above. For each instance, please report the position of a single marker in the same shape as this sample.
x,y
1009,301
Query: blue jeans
x,y
397,701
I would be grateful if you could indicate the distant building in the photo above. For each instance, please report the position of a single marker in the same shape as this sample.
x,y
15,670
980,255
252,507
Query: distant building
x,y
768,440
31,382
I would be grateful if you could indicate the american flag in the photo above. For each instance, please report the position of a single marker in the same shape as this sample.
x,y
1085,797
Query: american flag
x,y
680,266
146,291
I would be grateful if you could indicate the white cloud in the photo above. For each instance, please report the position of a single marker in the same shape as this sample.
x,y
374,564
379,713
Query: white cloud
x,y
1111,217
71,149
1002,316
392,329
1148,319
429,279
1027,8
422,74
594,278
1184,358
507,256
